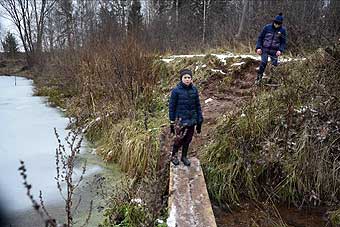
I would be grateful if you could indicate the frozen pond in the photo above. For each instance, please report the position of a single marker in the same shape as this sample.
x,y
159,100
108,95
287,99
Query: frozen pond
x,y
27,133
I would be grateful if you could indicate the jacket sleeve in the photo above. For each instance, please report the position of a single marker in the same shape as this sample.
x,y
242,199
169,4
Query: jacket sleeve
x,y
173,105
260,39
282,46
199,110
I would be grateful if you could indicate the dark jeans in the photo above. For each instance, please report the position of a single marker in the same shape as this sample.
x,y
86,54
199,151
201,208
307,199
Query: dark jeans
x,y
186,135
264,59
183,139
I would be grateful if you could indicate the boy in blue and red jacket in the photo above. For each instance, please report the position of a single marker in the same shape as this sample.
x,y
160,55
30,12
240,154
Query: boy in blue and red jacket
x,y
271,42
185,109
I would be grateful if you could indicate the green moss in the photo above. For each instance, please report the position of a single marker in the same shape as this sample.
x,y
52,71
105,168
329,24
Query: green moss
x,y
55,96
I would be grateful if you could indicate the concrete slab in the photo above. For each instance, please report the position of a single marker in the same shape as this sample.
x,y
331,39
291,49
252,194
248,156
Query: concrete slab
x,y
189,203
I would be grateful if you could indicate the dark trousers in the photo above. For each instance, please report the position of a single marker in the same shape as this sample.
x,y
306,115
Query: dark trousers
x,y
186,134
183,138
264,59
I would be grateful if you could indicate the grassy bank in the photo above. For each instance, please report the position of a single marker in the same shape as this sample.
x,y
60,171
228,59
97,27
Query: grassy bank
x,y
284,144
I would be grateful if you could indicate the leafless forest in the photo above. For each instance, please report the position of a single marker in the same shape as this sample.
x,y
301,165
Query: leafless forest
x,y
52,26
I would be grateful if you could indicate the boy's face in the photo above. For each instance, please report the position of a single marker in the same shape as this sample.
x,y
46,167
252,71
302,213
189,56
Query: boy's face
x,y
277,25
186,79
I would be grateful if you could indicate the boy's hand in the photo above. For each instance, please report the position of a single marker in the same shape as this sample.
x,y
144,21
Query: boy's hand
x,y
172,128
278,53
259,51
198,128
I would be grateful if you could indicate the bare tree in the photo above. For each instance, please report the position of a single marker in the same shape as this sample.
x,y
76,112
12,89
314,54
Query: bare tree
x,y
29,19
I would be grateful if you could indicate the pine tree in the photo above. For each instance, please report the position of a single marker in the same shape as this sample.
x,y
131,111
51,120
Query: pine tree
x,y
10,45
135,19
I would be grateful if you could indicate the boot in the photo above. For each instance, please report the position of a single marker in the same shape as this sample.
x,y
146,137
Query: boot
x,y
174,158
258,78
184,158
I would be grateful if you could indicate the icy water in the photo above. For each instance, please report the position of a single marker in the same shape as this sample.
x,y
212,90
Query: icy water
x,y
27,133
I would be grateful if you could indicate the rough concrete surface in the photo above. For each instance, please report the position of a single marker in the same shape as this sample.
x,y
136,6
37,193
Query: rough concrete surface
x,y
189,203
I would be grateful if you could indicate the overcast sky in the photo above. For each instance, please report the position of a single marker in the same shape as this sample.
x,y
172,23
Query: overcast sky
x,y
5,26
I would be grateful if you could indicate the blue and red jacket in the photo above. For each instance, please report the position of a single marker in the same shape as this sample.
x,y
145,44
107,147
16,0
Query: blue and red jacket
x,y
272,39
185,105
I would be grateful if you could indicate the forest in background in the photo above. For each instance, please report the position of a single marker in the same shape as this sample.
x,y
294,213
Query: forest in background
x,y
51,26
100,60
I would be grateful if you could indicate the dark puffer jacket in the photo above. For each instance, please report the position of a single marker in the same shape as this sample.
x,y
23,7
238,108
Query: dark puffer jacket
x,y
185,105
272,38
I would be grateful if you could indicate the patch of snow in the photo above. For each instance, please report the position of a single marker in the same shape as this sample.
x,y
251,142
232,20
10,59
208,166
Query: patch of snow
x,y
171,221
238,63
167,60
223,57
208,100
203,66
243,115
61,109
137,201
160,221
302,109
98,119
187,56
255,57
218,70
198,169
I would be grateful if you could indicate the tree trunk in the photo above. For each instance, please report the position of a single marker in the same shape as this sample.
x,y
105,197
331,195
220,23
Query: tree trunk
x,y
204,20
240,28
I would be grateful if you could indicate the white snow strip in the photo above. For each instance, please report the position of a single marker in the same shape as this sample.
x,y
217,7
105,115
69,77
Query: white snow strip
x,y
187,56
238,63
218,70
223,57
167,60
171,221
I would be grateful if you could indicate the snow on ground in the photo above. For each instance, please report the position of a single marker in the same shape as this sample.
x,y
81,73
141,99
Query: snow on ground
x,y
238,63
218,70
223,57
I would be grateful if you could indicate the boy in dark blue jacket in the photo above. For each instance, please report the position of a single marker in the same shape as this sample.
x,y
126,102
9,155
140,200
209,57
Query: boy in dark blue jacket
x,y
185,110
271,42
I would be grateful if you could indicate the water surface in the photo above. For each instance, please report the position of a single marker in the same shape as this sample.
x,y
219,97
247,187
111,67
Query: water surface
x,y
27,133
